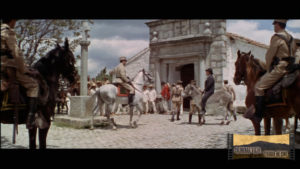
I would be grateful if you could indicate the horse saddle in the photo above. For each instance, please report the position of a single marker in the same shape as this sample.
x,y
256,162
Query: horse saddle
x,y
13,94
122,91
276,96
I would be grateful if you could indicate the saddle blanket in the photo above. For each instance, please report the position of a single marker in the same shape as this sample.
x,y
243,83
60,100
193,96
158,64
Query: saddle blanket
x,y
122,91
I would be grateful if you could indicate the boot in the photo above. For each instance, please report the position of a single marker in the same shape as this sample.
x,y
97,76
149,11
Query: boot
x,y
178,113
30,123
199,119
190,118
173,114
130,99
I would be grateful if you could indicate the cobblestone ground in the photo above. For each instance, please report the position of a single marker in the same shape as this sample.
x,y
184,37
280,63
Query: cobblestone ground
x,y
153,131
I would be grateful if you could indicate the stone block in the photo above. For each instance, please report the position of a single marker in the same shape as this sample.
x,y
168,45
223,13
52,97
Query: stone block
x,y
79,123
217,71
218,85
77,106
213,64
219,64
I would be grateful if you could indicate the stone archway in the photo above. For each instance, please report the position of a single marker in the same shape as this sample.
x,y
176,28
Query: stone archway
x,y
186,75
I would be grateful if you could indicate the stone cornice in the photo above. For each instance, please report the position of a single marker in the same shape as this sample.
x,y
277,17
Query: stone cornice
x,y
183,39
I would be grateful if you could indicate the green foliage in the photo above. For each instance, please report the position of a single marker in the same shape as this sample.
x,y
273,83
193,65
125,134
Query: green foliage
x,y
103,74
36,37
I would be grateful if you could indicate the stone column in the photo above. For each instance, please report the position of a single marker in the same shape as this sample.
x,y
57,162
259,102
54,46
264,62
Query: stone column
x,y
163,71
84,67
202,72
170,73
157,75
196,73
77,103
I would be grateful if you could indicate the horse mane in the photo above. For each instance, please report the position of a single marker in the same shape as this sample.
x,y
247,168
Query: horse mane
x,y
44,65
258,67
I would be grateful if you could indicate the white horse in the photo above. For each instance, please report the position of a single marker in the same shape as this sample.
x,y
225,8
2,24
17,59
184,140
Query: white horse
x,y
217,104
107,94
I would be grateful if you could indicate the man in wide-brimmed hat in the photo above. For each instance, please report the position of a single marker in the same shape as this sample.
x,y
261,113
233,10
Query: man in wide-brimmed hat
x,y
282,48
177,100
122,79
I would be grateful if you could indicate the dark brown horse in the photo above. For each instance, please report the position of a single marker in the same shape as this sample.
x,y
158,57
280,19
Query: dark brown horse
x,y
248,70
58,62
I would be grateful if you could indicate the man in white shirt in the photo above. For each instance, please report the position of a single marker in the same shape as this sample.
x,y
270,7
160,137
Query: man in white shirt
x,y
152,98
145,99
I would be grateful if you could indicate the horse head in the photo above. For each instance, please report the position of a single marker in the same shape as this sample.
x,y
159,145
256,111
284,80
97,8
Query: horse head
x,y
59,61
240,67
147,77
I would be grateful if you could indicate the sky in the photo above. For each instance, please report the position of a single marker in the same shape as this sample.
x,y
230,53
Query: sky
x,y
111,39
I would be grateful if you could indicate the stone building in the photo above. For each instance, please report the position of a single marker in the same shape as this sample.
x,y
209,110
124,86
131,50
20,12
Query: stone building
x,y
183,49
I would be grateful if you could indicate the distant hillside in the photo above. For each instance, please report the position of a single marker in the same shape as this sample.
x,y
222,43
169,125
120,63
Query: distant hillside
x,y
267,145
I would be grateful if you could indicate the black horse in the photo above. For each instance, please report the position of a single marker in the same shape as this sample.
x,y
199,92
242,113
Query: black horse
x,y
59,62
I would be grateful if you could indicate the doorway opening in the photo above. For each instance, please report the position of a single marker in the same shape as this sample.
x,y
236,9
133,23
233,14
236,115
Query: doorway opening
x,y
186,75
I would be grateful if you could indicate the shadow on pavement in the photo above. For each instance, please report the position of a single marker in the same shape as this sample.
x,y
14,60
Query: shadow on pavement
x,y
119,126
6,144
196,123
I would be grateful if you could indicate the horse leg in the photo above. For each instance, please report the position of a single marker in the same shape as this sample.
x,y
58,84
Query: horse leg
x,y
32,138
278,125
267,125
295,123
43,138
92,121
256,128
109,109
287,124
131,115
233,112
140,110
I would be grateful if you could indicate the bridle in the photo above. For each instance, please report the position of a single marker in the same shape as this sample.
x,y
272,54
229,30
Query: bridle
x,y
241,72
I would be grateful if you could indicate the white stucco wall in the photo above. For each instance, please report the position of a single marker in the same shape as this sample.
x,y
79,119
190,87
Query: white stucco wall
x,y
138,63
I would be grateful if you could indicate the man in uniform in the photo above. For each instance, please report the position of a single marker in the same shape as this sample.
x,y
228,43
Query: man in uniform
x,y
177,99
12,57
209,89
228,88
278,49
123,80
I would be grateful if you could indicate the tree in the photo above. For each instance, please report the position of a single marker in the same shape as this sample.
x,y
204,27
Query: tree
x,y
36,37
103,74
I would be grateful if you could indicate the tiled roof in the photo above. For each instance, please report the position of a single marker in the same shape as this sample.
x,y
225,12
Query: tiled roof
x,y
247,40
